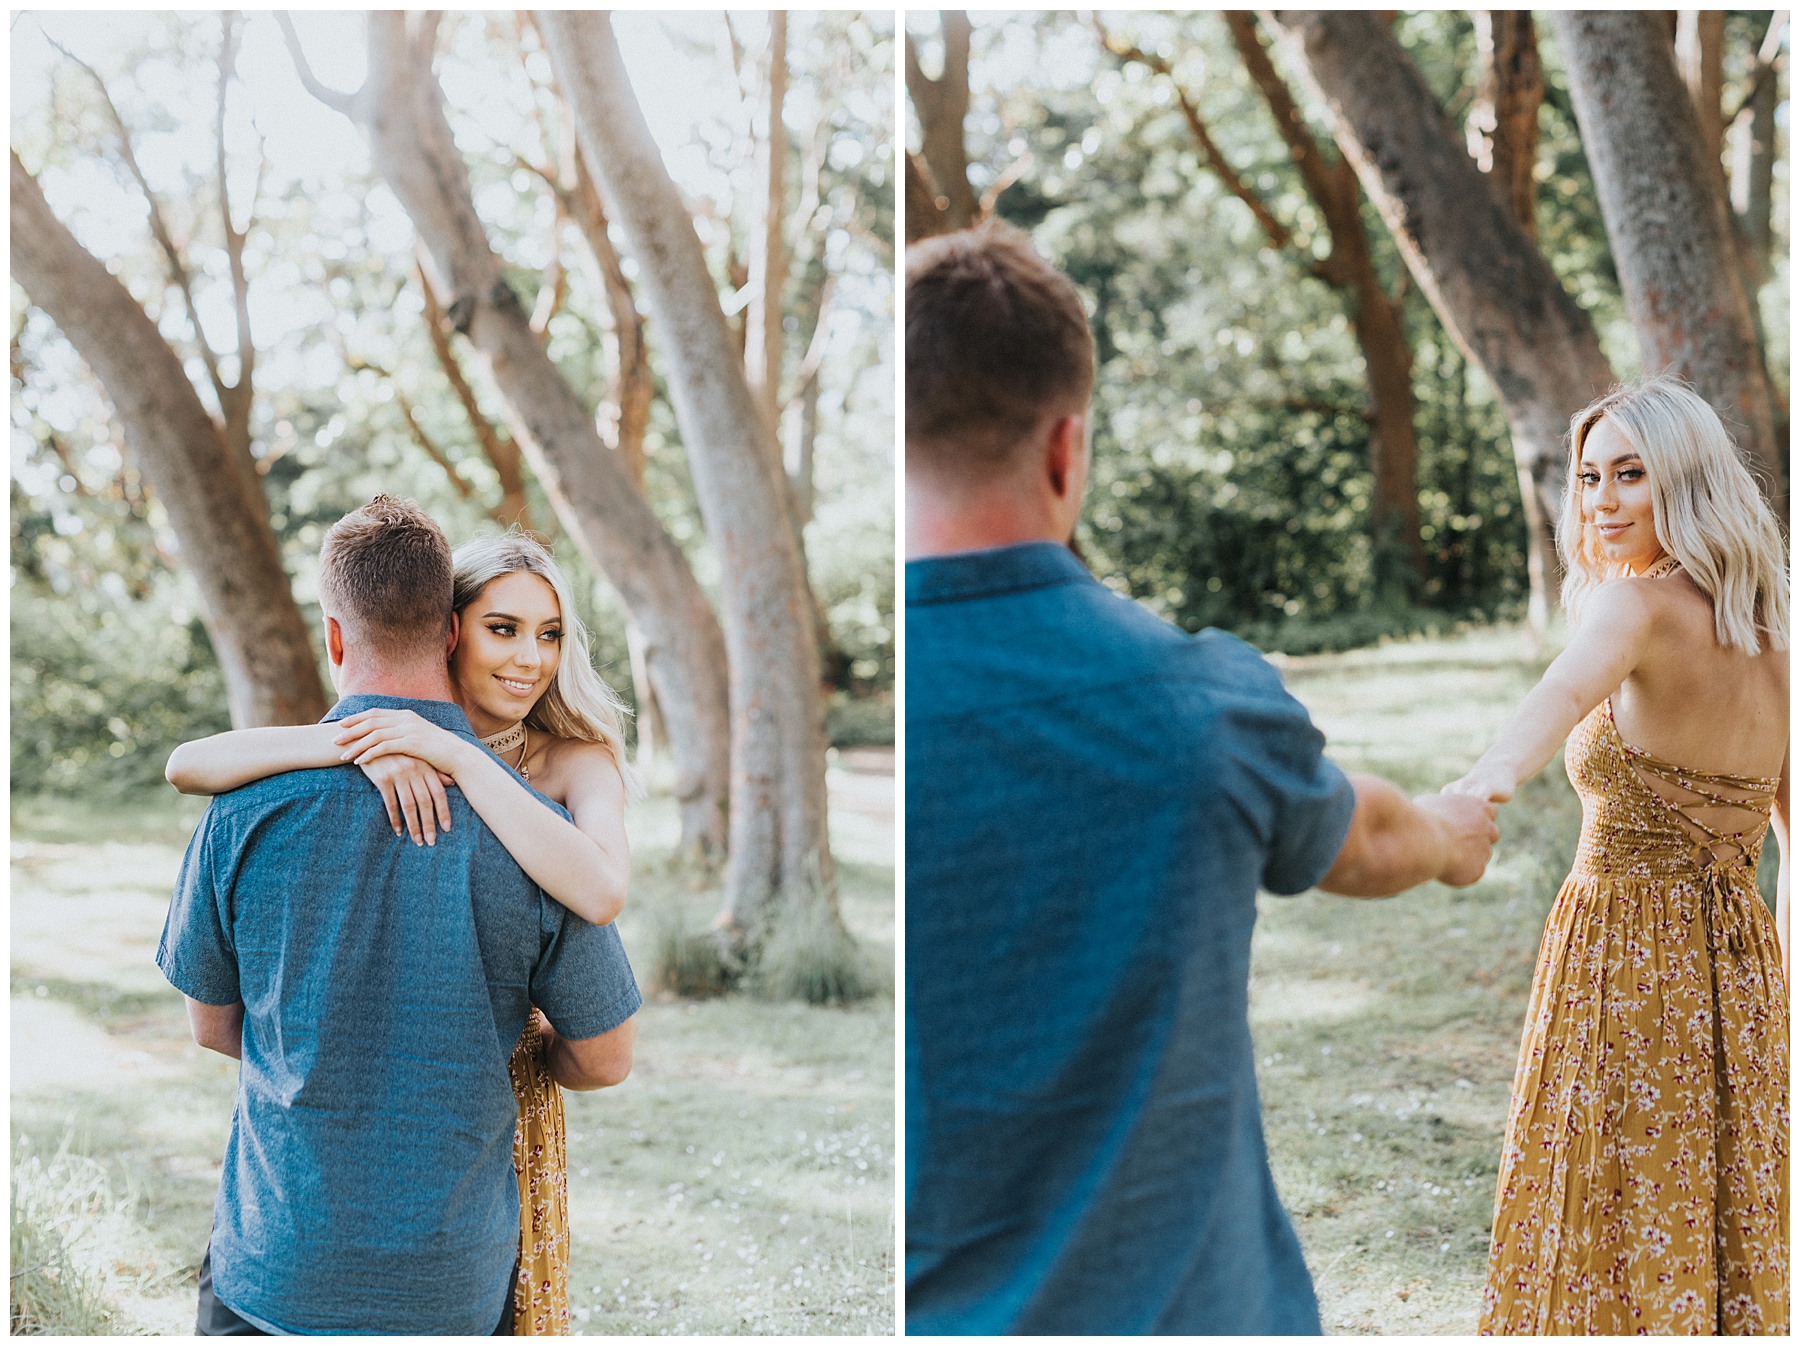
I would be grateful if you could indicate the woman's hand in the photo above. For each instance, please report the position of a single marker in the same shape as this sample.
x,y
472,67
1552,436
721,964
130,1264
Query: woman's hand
x,y
374,734
413,790
1493,786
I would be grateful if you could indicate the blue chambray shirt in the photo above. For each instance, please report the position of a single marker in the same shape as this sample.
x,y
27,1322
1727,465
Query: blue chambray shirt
x,y
368,1183
1093,798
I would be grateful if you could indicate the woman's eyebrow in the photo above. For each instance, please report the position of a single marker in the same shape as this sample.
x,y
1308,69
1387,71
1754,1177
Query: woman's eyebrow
x,y
519,621
1632,456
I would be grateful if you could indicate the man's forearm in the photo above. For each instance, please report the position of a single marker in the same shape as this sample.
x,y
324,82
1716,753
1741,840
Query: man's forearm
x,y
218,1028
1393,844
592,1063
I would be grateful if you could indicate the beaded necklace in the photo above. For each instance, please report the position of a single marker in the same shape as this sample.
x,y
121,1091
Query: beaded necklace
x,y
505,741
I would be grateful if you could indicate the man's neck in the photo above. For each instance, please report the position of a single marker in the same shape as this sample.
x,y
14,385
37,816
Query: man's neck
x,y
418,684
935,527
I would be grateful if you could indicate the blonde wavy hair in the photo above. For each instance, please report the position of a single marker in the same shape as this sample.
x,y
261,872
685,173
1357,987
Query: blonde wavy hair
x,y
578,705
1707,509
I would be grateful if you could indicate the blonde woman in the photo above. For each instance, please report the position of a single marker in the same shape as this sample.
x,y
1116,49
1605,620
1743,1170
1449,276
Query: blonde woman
x,y
520,671
1643,1182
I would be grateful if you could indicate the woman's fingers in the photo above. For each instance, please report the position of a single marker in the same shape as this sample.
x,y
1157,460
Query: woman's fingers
x,y
428,816
409,807
428,781
389,801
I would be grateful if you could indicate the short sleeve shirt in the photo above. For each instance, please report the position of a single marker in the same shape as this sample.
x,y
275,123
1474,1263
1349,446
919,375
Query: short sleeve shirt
x,y
368,1181
1093,799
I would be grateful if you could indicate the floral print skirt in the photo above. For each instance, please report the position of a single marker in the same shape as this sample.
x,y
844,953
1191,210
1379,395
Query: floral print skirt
x,y
540,1154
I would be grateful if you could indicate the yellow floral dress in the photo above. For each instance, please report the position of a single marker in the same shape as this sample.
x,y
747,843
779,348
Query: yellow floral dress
x,y
1643,1183
541,1156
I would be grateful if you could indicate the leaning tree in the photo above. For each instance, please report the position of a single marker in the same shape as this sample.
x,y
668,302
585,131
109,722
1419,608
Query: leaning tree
x,y
1465,245
400,111
779,847
200,467
1656,166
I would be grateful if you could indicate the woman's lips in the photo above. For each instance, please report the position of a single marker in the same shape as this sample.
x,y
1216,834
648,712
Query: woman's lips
x,y
515,687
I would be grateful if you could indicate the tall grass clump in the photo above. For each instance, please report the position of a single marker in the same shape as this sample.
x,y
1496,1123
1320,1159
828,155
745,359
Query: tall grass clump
x,y
686,961
808,955
53,1206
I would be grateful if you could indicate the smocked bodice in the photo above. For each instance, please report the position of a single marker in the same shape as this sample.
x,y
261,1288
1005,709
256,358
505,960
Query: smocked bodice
x,y
1631,830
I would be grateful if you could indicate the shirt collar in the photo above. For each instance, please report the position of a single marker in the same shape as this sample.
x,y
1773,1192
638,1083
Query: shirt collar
x,y
444,714
997,570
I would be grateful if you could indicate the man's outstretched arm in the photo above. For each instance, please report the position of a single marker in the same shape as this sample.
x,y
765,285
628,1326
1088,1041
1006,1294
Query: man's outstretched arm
x,y
590,1063
218,1028
1396,843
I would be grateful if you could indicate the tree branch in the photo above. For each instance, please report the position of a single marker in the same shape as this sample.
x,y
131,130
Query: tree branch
x,y
331,98
237,406
159,227
1318,175
1278,233
436,326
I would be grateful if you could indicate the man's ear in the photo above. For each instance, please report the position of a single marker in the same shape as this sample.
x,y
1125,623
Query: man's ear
x,y
334,642
455,634
1064,457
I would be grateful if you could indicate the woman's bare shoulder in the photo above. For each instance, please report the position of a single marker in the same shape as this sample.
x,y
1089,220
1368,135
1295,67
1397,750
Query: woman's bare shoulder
x,y
567,764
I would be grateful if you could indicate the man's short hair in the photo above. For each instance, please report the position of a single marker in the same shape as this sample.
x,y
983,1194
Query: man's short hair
x,y
996,338
385,574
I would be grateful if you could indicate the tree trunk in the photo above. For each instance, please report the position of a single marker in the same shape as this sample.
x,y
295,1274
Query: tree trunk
x,y
942,103
1753,198
400,110
1753,165
1667,222
502,454
924,216
633,388
768,258
1700,57
1503,122
271,672
778,822
1491,288
1376,319
632,391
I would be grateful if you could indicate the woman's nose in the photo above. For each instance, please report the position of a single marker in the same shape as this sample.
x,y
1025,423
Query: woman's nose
x,y
527,655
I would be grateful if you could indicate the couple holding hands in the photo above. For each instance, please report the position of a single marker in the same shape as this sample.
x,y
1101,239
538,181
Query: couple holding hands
x,y
1094,799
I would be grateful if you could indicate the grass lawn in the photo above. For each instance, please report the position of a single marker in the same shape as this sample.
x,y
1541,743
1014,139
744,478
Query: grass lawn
x,y
741,1181
1387,1032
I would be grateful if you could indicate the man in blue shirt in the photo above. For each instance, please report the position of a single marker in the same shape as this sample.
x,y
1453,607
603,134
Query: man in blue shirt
x,y
373,991
1093,799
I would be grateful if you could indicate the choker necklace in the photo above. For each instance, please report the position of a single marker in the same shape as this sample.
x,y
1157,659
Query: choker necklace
x,y
1667,566
505,741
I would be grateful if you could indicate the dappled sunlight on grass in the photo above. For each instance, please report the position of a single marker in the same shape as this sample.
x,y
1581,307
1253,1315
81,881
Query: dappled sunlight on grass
x,y
1387,1032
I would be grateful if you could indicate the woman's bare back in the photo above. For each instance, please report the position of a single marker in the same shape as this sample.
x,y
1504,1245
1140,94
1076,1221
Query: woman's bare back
x,y
1696,704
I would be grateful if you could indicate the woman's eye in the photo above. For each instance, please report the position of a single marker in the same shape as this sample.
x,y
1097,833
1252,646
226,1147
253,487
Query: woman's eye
x,y
551,636
502,629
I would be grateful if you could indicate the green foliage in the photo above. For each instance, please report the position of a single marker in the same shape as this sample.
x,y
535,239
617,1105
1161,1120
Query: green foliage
x,y
103,624
1231,482
104,685
859,722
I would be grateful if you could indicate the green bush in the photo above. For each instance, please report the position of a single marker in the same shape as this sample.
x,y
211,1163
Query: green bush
x,y
859,722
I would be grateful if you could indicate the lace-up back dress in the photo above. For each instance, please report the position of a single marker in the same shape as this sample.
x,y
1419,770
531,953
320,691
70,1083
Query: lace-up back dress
x,y
1643,1182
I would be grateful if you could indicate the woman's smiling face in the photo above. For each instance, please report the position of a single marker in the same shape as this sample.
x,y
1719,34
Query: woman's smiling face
x,y
508,650
1616,498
